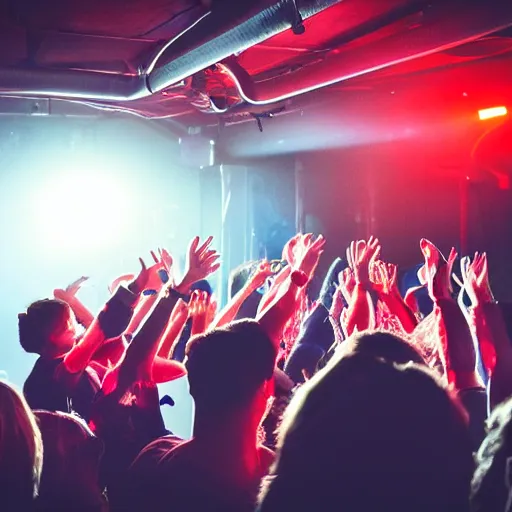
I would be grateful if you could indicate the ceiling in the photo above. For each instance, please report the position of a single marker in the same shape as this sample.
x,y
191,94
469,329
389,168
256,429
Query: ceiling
x,y
211,62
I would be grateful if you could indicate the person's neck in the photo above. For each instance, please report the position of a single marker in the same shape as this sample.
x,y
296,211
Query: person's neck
x,y
52,351
232,439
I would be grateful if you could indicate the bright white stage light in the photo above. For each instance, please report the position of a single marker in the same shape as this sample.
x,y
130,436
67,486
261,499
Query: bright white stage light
x,y
81,209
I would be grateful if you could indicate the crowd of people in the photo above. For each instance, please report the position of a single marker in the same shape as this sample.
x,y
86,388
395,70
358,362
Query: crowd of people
x,y
364,398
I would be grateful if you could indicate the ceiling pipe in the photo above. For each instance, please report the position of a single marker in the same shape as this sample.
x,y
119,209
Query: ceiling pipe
x,y
220,34
222,41
444,26
72,84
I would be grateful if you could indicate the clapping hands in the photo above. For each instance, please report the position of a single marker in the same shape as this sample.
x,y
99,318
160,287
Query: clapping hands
x,y
475,279
360,256
438,270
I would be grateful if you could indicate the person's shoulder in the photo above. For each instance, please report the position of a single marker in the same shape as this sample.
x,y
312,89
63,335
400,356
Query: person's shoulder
x,y
165,443
42,370
158,451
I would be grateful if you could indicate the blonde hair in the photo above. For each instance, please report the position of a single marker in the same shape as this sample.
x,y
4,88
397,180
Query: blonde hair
x,y
21,445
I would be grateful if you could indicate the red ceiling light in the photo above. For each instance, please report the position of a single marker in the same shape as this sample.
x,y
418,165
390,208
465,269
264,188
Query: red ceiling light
x,y
489,113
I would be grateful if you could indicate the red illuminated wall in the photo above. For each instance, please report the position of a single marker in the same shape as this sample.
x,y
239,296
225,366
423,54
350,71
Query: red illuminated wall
x,y
402,192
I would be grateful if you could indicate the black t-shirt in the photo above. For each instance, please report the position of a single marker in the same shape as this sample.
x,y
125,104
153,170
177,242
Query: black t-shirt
x,y
51,387
126,423
166,477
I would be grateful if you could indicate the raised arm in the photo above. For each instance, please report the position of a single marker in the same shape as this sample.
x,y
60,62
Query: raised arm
x,y
68,295
360,313
255,281
291,252
384,282
138,362
173,330
111,322
486,320
273,291
275,317
153,287
456,344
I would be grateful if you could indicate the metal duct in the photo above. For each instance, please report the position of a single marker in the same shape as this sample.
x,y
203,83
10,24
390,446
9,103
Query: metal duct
x,y
219,43
221,34
445,26
72,84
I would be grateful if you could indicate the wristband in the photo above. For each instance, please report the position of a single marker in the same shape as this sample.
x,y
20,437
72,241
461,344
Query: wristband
x,y
164,276
299,278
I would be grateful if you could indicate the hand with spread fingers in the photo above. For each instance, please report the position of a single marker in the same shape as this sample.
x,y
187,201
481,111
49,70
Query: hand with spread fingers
x,y
149,277
360,257
201,263
383,277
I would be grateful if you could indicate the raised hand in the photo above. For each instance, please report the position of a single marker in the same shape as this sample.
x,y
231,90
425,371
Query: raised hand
x,y
166,259
125,279
70,291
360,257
337,304
347,284
75,286
383,277
475,278
309,254
261,274
289,250
201,262
199,311
438,270
138,285
82,313
180,311
148,278
168,266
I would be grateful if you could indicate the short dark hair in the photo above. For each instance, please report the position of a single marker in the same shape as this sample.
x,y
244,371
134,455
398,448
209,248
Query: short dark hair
x,y
37,324
386,346
239,276
226,367
237,280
